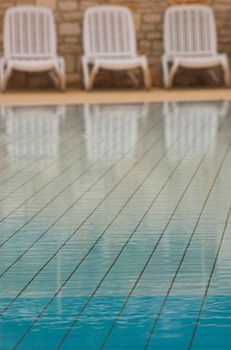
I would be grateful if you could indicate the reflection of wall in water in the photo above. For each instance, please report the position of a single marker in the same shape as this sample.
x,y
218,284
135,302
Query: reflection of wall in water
x,y
193,124
32,131
111,131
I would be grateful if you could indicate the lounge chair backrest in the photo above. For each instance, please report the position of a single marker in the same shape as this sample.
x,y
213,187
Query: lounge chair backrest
x,y
29,32
190,30
109,31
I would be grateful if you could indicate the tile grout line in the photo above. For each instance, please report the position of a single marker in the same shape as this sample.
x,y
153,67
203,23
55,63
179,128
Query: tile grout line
x,y
118,255
148,149
34,161
209,281
157,243
184,254
69,208
70,184
74,322
66,153
39,173
67,240
81,261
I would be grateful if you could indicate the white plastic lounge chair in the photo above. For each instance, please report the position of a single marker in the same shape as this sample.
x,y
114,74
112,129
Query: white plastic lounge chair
x,y
190,41
30,44
110,43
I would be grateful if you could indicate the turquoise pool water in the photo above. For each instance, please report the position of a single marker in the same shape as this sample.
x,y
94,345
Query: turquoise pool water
x,y
115,227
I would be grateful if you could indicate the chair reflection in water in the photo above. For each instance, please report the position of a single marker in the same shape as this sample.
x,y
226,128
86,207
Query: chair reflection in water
x,y
111,131
33,132
192,126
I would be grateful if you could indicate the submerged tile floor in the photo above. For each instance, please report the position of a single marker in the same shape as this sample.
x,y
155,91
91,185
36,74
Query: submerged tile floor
x,y
115,228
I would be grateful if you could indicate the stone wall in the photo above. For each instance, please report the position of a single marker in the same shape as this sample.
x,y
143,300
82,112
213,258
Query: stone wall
x,y
148,16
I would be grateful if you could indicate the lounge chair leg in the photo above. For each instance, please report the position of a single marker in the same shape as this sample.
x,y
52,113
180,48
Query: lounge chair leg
x,y
86,73
165,72
54,78
1,73
147,77
213,75
226,70
172,74
60,71
133,78
62,81
62,75
93,74
5,77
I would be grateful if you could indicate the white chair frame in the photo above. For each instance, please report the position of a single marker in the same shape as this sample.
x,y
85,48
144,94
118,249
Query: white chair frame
x,y
190,41
30,44
109,40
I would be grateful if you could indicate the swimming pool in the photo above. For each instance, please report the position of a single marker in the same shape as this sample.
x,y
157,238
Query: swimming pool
x,y
115,228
